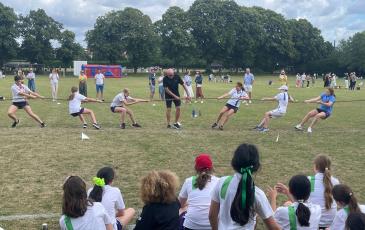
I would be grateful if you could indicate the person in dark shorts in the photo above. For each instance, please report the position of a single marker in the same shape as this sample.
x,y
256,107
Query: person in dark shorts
x,y
237,95
21,94
326,101
171,84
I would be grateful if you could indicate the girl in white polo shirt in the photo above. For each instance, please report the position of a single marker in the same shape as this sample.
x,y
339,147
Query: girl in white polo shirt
x,y
237,95
321,187
75,109
196,194
236,200
120,105
80,213
283,99
53,78
111,198
347,204
300,215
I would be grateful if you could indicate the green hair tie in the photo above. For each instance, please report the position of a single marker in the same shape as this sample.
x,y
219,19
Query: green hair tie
x,y
98,181
245,172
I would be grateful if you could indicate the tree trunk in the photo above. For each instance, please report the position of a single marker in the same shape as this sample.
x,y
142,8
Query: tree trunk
x,y
135,69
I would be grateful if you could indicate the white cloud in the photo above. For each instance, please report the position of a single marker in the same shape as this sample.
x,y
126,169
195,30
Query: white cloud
x,y
337,19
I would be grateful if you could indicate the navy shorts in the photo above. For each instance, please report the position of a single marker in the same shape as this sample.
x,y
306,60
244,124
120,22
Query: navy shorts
x,y
322,111
20,105
235,109
114,107
119,225
77,114
99,88
169,102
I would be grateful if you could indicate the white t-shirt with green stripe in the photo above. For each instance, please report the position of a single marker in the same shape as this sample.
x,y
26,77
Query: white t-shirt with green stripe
x,y
317,197
261,205
339,223
198,203
282,217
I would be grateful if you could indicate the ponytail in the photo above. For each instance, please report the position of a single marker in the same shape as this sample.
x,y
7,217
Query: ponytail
x,y
303,214
300,188
343,194
203,178
242,205
323,165
74,90
245,161
104,177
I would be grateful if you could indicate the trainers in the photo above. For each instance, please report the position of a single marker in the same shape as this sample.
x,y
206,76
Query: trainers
x,y
214,125
257,127
169,126
176,126
250,101
122,126
299,127
309,130
15,123
43,125
84,126
202,102
221,127
136,125
196,102
264,130
96,126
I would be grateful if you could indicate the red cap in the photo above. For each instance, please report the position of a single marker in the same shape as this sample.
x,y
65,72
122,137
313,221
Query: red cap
x,y
203,161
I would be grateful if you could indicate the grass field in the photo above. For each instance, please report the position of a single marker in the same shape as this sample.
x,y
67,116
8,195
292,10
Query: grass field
x,y
34,162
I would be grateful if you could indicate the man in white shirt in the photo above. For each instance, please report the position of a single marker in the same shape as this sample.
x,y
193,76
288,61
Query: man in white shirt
x,y
99,82
31,80
248,81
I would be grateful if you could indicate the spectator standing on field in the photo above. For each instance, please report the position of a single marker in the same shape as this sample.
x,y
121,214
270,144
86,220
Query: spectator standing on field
x,y
31,80
83,83
248,81
99,82
199,87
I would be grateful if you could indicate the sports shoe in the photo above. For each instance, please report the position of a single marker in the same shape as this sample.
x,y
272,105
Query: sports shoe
x,y
84,126
176,126
96,126
136,125
221,128
299,127
257,127
196,102
169,126
250,101
122,126
264,130
309,130
202,102
214,125
43,125
15,123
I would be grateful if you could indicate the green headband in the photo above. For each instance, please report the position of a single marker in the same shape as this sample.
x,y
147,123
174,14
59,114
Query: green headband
x,y
244,172
98,181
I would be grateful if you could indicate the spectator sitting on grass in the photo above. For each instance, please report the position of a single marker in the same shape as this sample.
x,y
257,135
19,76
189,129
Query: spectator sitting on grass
x,y
195,194
80,213
111,198
161,207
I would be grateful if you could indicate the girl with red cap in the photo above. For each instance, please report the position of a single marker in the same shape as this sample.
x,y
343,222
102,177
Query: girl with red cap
x,y
195,194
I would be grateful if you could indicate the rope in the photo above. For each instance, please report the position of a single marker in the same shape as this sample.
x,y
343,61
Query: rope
x,y
211,99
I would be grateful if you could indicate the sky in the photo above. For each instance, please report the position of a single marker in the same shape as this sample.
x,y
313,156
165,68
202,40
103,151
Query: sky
x,y
337,19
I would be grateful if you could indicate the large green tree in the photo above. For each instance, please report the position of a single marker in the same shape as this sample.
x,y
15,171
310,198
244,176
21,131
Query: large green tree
x,y
38,30
214,28
177,43
124,34
8,34
353,53
69,50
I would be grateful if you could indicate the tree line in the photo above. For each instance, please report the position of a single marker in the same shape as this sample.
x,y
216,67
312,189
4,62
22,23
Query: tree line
x,y
211,33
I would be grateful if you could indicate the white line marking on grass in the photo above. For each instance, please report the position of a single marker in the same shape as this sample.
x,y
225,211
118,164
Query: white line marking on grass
x,y
29,217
